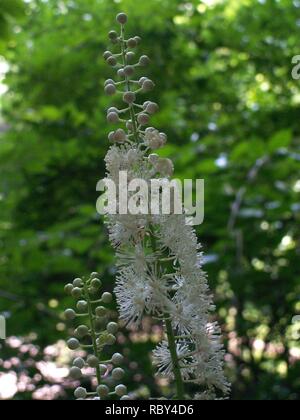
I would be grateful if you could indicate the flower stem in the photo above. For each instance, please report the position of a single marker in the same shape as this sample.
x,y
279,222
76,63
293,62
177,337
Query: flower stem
x,y
93,332
175,360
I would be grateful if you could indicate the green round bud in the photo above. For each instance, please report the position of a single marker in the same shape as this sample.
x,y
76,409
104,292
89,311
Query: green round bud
x,y
113,118
138,39
73,344
76,292
96,283
110,89
107,54
144,60
111,136
111,340
107,297
129,125
129,70
122,18
79,363
107,82
132,43
82,331
69,288
129,97
82,306
130,56
117,359
112,61
117,374
75,373
101,311
102,391
119,137
121,390
113,35
148,85
125,398
142,80
112,327
70,314
95,274
152,108
143,119
80,393
111,109
93,361
103,369
121,73
77,283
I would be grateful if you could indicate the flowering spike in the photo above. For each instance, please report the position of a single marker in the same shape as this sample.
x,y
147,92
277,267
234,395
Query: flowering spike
x,y
146,281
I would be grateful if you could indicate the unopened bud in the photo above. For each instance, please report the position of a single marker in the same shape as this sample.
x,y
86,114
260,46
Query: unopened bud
x,y
122,18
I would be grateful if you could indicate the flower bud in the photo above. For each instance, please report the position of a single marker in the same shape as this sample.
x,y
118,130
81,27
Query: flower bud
x,y
120,136
82,331
95,274
129,125
129,70
69,288
109,82
103,369
165,167
75,373
113,35
113,117
111,109
111,136
121,390
130,56
107,297
76,292
112,61
117,359
101,311
80,393
152,108
73,344
132,43
110,89
112,327
143,119
96,284
107,54
117,374
82,306
138,39
148,85
153,158
70,314
144,60
102,391
129,97
142,80
93,361
125,398
79,363
121,73
111,340
77,283
122,18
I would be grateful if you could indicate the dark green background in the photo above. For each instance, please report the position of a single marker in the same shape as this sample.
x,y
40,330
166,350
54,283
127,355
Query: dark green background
x,y
231,110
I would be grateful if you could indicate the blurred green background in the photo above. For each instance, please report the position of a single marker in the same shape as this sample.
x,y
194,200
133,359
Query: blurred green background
x,y
231,110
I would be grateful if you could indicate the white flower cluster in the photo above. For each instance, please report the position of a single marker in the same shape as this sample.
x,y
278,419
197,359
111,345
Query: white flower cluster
x,y
158,257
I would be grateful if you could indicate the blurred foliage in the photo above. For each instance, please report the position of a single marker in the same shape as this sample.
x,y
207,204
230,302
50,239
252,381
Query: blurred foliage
x,y
231,110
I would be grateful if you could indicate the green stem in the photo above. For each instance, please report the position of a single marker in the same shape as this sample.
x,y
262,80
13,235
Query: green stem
x,y
93,333
175,360
131,106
